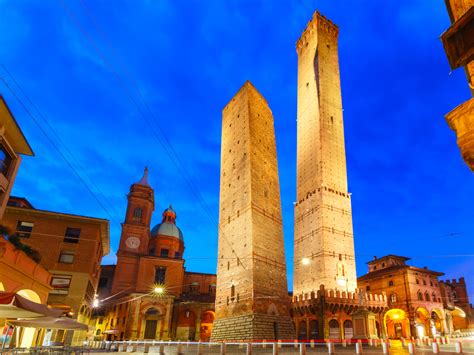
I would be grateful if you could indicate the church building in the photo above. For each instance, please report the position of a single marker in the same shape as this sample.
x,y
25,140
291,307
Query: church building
x,y
149,294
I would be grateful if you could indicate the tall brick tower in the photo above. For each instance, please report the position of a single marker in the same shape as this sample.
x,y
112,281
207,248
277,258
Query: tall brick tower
x,y
252,295
324,244
135,234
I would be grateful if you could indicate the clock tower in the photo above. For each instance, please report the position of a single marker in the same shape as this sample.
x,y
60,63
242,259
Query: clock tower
x,y
135,232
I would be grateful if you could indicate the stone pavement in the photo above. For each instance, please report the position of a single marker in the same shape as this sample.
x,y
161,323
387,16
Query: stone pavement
x,y
395,349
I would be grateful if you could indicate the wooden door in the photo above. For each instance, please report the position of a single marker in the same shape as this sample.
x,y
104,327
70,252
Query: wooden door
x,y
150,329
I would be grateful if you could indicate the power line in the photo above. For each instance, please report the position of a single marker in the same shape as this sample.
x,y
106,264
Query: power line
x,y
51,141
58,138
163,141
145,103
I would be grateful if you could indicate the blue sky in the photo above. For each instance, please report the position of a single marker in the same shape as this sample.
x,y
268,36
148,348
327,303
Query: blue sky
x,y
180,62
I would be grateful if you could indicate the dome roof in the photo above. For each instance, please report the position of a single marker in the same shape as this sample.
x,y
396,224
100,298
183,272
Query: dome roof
x,y
168,229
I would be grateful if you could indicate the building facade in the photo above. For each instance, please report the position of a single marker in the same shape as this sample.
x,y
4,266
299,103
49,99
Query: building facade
x,y
71,248
459,47
458,309
13,144
22,275
252,292
419,303
149,294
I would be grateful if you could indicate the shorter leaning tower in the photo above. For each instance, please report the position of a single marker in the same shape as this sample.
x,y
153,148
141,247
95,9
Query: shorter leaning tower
x,y
252,301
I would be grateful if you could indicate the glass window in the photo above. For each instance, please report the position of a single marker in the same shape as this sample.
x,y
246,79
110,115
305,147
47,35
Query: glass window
x,y
60,284
137,213
164,253
393,298
90,292
160,275
420,296
72,235
390,283
66,257
102,282
24,229
5,161
177,255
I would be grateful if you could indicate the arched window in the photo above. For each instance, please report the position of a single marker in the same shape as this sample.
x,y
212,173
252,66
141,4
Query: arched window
x,y
314,329
390,283
393,298
427,296
302,331
137,213
334,333
97,332
348,331
420,296
433,297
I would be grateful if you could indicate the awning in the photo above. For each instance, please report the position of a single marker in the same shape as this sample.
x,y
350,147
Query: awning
x,y
50,323
14,306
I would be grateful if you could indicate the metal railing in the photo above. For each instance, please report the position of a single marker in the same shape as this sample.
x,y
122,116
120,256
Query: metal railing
x,y
275,348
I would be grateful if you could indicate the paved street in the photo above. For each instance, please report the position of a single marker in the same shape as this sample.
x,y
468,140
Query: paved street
x,y
319,348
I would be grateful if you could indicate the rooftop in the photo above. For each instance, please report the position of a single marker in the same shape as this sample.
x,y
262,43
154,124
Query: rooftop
x,y
13,133
104,223
390,256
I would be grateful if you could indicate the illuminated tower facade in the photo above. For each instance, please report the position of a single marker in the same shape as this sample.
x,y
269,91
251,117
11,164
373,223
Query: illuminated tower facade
x,y
252,294
324,242
135,233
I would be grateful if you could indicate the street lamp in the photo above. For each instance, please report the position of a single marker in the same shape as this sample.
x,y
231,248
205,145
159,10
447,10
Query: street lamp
x,y
158,290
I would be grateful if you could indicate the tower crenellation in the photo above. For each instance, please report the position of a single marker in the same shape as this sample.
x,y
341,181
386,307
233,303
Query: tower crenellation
x,y
318,23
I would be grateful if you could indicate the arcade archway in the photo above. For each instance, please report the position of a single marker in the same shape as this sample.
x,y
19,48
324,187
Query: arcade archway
x,y
422,322
436,322
207,321
28,335
396,324
458,318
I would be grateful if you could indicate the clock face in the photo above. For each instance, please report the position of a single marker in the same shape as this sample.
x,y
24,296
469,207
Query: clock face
x,y
132,242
